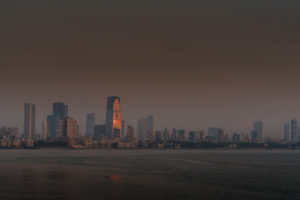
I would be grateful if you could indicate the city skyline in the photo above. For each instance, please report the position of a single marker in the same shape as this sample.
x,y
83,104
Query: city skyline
x,y
195,64
115,128
60,127
39,129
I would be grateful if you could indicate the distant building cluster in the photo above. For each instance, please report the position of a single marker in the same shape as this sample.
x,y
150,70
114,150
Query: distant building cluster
x,y
61,129
291,131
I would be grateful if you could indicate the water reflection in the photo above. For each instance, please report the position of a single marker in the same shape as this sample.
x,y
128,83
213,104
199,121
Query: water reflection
x,y
37,175
28,183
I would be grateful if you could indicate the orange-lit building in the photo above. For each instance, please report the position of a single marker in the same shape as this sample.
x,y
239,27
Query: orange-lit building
x,y
113,117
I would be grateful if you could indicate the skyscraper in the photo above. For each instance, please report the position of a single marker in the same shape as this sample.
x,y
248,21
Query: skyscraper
x,y
123,131
258,127
99,131
158,136
90,124
200,136
113,117
145,128
141,128
78,130
192,136
293,130
29,121
174,135
181,135
216,134
67,130
254,136
213,132
166,135
60,111
286,132
150,128
130,133
45,130
51,121
235,138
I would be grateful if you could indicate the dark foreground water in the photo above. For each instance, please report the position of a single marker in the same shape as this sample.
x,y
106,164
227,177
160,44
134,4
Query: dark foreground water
x,y
149,174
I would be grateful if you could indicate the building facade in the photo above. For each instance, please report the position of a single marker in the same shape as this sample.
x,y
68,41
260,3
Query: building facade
x,y
99,131
258,128
90,124
29,121
113,117
142,129
67,130
236,138
123,129
130,133
145,128
45,130
60,111
293,130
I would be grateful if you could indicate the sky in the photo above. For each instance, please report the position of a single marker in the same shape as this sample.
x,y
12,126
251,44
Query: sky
x,y
192,64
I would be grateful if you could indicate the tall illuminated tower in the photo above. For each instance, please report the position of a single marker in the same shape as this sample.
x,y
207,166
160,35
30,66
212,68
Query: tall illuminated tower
x,y
29,121
113,117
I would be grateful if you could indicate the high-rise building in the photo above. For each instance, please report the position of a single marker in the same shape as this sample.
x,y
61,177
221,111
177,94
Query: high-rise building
x,y
123,131
166,135
29,121
174,135
297,134
181,135
220,136
215,134
235,138
78,130
286,132
99,131
142,129
200,136
60,111
150,128
293,130
192,136
67,130
254,136
145,128
258,127
130,133
90,124
113,117
226,138
45,131
51,126
212,132
158,136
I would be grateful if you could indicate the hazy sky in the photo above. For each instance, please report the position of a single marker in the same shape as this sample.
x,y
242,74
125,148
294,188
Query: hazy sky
x,y
189,63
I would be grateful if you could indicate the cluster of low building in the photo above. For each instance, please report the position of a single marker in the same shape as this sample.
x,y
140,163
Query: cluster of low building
x,y
9,138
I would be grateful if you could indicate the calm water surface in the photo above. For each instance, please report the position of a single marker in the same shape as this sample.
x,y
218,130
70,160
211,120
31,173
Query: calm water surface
x,y
149,174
